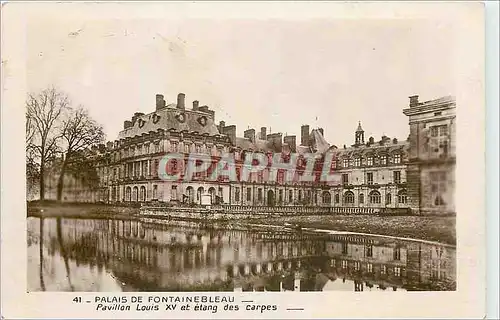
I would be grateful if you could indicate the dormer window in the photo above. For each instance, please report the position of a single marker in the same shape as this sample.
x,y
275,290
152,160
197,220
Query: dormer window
x,y
346,163
357,162
202,120
156,118
141,123
397,158
383,160
181,117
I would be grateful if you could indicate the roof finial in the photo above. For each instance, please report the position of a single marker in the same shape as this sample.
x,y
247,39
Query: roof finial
x,y
359,127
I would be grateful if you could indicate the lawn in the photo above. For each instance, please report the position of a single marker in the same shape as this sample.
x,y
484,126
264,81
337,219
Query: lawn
x,y
431,228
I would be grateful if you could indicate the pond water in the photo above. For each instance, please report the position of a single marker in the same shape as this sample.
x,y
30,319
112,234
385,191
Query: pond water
x,y
121,255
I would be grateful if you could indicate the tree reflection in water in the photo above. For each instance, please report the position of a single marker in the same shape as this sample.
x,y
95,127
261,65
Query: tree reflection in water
x,y
42,282
62,249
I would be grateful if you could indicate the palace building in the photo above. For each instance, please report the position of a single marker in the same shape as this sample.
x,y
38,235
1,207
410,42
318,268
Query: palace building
x,y
388,173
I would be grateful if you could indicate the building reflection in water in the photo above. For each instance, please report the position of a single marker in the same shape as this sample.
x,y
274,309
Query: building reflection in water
x,y
116,255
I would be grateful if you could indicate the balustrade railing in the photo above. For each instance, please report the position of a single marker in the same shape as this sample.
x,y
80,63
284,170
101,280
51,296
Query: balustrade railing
x,y
284,210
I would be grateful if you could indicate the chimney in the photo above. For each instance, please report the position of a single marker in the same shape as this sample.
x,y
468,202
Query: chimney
x,y
291,142
414,101
230,131
304,138
263,133
249,134
196,105
222,124
160,101
203,109
181,97
321,131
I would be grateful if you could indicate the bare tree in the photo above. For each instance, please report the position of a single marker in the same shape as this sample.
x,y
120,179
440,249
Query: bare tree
x,y
79,132
44,110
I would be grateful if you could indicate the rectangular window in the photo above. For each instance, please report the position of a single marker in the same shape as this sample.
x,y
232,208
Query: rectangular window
x,y
173,194
369,251
397,176
357,162
346,163
249,194
357,265
344,264
155,191
397,254
369,268
383,160
237,194
344,248
397,271
397,158
259,194
174,146
443,130
280,198
345,178
369,178
438,181
290,196
383,269
369,161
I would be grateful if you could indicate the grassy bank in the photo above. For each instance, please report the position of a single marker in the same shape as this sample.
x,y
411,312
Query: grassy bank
x,y
46,209
431,228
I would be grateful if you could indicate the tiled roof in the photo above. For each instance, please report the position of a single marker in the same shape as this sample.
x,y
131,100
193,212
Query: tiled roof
x,y
258,145
374,149
446,99
172,118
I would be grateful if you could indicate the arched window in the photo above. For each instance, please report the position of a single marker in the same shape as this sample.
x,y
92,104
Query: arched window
x,y
135,193
199,193
212,193
402,197
143,194
128,193
327,197
190,194
361,198
374,196
349,197
388,198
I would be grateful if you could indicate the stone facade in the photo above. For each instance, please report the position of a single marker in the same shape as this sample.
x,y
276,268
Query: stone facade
x,y
387,173
432,155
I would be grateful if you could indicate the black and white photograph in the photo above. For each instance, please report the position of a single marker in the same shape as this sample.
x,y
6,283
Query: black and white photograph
x,y
186,153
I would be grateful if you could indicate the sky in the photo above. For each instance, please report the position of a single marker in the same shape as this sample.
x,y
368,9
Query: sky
x,y
276,73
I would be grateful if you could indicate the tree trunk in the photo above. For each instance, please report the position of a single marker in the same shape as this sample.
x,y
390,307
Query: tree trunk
x,y
42,179
60,182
